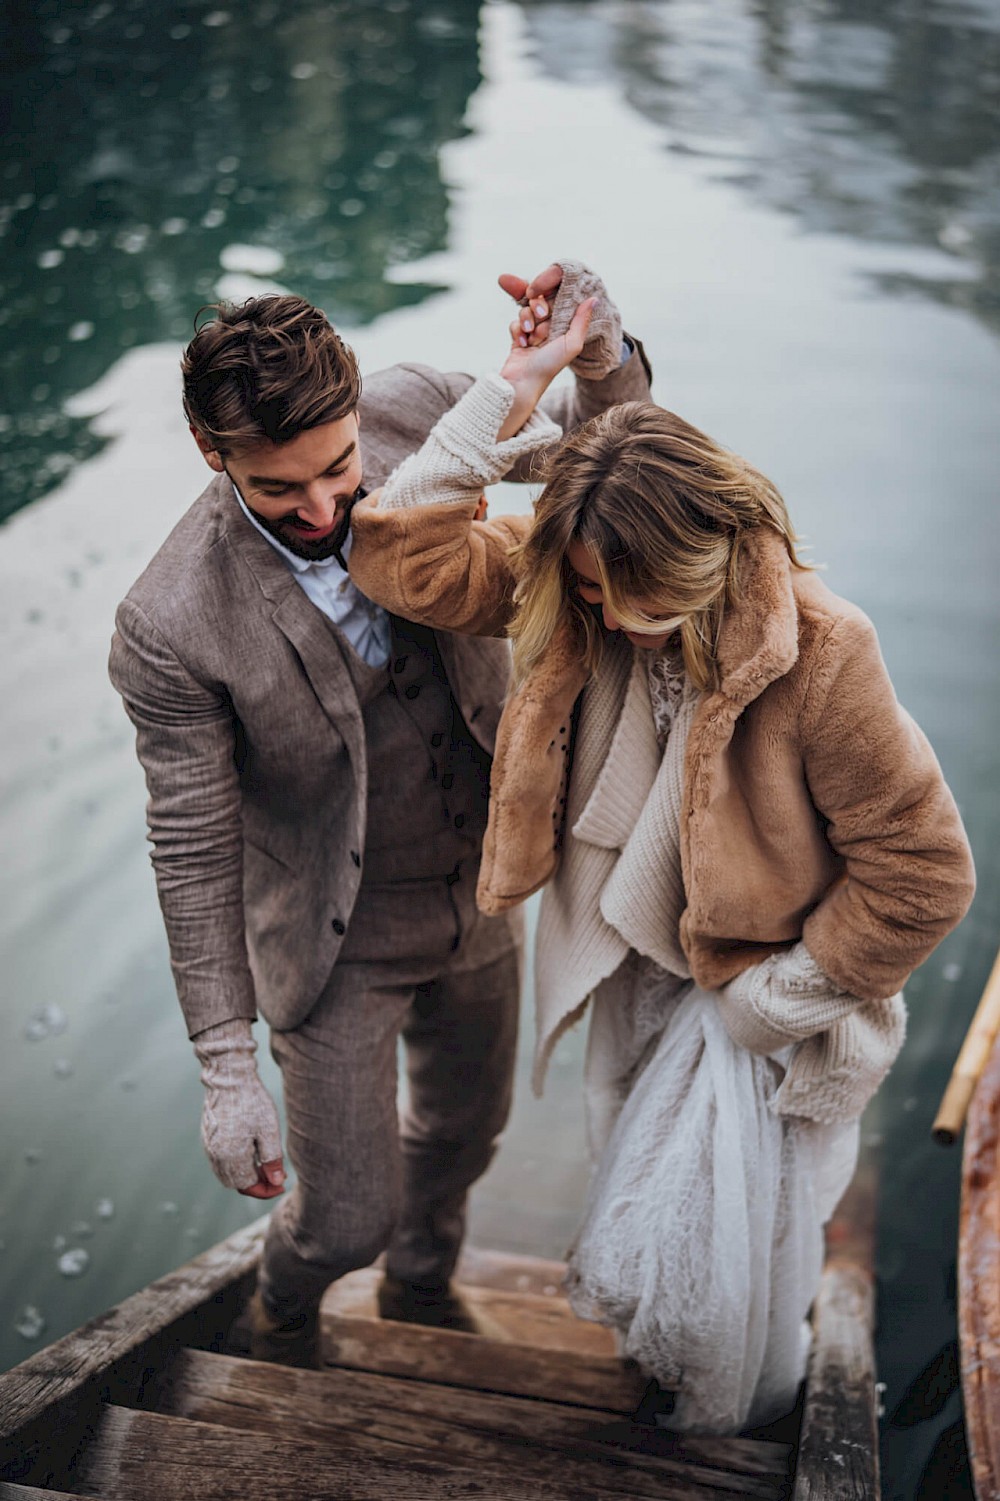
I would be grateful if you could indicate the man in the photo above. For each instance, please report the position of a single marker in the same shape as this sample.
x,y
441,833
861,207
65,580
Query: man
x,y
318,776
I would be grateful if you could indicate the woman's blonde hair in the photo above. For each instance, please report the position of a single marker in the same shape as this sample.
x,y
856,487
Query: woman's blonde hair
x,y
662,511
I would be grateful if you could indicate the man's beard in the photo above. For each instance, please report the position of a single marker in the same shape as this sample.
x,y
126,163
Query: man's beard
x,y
299,544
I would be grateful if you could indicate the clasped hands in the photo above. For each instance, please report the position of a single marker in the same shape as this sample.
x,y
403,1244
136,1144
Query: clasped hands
x,y
539,352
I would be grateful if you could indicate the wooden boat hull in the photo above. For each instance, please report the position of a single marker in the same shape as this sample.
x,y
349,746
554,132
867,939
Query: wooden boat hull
x,y
979,1282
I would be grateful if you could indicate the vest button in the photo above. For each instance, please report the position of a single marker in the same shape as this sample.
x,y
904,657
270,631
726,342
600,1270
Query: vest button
x,y
436,739
412,691
447,780
356,858
459,820
400,664
338,927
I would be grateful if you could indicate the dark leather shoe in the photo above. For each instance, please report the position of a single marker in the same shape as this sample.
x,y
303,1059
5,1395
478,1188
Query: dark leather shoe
x,y
293,1341
438,1307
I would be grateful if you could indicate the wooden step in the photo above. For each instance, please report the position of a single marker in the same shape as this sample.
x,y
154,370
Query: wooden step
x,y
511,1273
542,1349
543,1319
491,1365
507,1435
137,1456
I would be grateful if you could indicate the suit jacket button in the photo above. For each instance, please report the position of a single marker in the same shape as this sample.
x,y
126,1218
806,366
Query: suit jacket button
x,y
356,858
413,691
338,927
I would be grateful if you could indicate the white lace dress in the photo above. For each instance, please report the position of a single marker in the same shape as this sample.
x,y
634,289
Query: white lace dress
x,y
702,1238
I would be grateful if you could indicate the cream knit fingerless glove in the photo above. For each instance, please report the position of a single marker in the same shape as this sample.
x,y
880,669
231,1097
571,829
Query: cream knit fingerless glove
x,y
239,1124
843,1047
602,352
461,454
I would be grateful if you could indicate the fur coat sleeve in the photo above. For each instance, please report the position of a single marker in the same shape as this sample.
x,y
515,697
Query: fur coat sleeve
x,y
436,565
908,874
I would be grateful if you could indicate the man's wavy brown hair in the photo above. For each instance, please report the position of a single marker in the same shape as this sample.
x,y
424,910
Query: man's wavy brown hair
x,y
267,369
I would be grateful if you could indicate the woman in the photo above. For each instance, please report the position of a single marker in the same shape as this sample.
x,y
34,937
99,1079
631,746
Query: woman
x,y
747,846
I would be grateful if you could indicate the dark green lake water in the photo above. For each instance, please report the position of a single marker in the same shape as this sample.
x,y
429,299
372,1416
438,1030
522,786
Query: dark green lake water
x,y
796,205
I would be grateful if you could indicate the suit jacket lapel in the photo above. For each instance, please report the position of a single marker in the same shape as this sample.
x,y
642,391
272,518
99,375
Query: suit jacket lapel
x,y
309,633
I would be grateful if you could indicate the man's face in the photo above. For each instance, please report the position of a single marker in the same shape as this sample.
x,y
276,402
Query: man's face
x,y
299,491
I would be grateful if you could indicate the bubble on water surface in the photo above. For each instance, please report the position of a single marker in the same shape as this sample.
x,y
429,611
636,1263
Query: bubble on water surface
x,y
168,1209
951,972
217,18
74,1263
303,71
48,1021
59,1243
30,1323
49,259
105,1209
82,1229
62,1068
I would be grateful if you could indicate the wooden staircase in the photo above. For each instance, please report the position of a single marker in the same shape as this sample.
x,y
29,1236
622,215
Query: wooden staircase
x,y
540,1410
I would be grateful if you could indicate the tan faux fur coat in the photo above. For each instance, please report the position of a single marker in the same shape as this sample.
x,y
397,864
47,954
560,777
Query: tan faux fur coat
x,y
813,807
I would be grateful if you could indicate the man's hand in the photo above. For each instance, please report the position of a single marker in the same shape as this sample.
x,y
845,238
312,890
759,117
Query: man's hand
x,y
239,1124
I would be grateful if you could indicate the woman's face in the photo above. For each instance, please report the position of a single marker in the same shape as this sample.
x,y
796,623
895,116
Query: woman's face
x,y
585,579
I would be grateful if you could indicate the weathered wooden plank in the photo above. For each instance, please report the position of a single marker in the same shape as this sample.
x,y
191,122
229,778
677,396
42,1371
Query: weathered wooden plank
x,y
511,1273
525,1318
63,1369
554,1442
979,1281
10,1491
140,1454
838,1448
486,1364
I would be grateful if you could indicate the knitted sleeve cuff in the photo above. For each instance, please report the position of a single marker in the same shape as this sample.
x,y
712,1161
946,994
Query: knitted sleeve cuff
x,y
235,1035
604,348
461,454
782,1000
832,1076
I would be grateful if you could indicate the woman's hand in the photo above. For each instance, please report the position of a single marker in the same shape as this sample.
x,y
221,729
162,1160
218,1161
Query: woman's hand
x,y
535,359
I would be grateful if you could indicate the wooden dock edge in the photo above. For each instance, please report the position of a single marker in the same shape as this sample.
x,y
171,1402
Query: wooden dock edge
x,y
62,1387
838,1458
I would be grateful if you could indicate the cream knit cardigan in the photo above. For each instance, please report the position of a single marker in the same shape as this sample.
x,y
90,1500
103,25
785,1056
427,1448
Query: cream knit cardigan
x,y
618,885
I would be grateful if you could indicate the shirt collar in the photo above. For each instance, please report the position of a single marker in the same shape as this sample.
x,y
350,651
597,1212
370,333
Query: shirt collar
x,y
300,565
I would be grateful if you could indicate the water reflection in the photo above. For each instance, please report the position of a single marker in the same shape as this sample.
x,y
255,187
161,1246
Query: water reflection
x,y
146,138
876,121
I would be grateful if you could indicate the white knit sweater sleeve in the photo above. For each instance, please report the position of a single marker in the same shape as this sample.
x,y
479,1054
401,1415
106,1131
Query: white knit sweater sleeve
x,y
782,1000
842,1047
461,454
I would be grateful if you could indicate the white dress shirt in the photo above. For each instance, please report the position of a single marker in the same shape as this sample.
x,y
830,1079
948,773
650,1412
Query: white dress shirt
x,y
366,625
